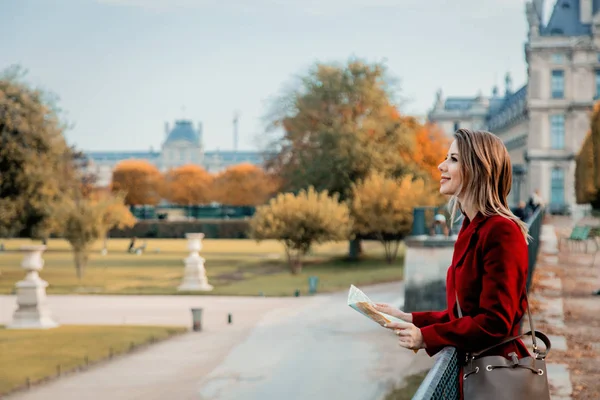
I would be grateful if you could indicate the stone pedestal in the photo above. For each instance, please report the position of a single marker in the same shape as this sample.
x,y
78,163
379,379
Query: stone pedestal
x,y
425,267
194,278
32,311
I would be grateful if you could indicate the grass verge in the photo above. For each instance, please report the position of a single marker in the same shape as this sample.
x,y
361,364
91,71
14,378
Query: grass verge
x,y
32,356
234,267
408,388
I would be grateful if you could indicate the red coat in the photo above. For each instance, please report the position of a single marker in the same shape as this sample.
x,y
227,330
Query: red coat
x,y
489,272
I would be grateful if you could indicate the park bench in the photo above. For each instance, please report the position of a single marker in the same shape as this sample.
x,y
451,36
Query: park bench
x,y
580,235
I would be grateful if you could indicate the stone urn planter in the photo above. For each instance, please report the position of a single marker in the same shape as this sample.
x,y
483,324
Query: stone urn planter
x,y
32,310
194,277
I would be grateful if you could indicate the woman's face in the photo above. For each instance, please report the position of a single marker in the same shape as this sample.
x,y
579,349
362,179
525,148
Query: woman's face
x,y
450,169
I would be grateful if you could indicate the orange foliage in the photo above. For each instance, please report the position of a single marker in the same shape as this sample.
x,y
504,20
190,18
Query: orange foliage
x,y
244,185
188,185
431,148
140,180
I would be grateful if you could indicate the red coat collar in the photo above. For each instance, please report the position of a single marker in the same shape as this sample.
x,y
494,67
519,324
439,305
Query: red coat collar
x,y
465,237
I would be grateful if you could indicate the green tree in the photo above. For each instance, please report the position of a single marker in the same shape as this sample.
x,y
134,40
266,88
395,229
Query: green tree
x,y
35,161
301,220
82,221
383,207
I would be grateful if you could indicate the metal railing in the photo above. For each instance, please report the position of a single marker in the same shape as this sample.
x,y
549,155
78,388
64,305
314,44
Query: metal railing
x,y
441,382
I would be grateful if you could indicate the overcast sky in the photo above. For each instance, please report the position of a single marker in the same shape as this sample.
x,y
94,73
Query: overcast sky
x,y
122,68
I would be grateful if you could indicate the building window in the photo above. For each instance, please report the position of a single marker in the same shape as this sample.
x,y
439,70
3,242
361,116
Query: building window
x,y
558,58
456,125
557,187
557,131
558,84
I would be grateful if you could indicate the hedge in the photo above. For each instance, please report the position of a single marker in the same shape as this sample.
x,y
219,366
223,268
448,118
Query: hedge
x,y
212,229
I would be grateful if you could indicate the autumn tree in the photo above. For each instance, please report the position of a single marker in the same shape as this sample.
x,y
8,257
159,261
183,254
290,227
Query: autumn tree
x,y
383,207
595,143
188,185
431,146
84,220
301,220
587,164
339,124
35,161
140,180
585,189
244,185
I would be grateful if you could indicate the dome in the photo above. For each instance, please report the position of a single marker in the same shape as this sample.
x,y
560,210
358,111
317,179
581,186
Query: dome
x,y
183,131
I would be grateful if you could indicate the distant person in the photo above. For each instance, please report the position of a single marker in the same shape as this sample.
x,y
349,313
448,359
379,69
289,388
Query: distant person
x,y
131,248
486,282
439,227
535,200
521,211
141,249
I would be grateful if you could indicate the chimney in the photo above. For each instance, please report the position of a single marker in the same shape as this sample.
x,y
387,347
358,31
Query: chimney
x,y
167,130
586,11
199,132
539,9
508,84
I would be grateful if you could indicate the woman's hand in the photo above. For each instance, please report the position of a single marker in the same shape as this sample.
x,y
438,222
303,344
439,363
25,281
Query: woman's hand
x,y
393,311
410,336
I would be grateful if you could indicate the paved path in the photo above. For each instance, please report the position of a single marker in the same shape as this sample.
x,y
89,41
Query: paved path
x,y
308,347
321,351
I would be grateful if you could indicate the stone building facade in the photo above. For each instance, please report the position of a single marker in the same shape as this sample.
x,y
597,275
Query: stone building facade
x,y
182,145
543,123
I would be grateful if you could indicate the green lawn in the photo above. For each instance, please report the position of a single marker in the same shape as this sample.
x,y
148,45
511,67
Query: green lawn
x,y
234,267
38,354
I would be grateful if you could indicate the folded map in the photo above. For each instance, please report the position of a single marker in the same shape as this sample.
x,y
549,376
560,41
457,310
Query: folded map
x,y
361,303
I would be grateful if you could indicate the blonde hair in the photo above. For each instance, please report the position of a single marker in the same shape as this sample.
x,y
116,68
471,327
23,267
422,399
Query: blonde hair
x,y
486,173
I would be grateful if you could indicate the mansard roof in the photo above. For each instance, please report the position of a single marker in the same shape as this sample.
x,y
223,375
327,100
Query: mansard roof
x,y
566,20
512,109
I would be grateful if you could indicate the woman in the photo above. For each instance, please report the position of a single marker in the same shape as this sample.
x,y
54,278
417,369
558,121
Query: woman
x,y
488,273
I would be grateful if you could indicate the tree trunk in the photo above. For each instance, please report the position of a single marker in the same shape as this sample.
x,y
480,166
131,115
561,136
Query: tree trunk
x,y
296,266
294,258
596,203
355,249
80,261
391,250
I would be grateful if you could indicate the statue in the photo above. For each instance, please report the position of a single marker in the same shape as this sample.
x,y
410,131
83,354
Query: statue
x,y
439,98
